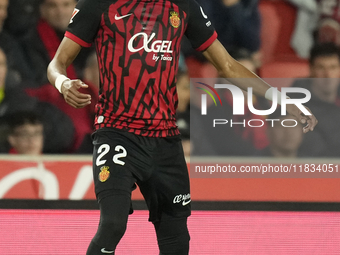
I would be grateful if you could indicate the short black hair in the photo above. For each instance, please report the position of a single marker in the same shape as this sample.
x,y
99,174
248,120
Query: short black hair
x,y
21,118
323,50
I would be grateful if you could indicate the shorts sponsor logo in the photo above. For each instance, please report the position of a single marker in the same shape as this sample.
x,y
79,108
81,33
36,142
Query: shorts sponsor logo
x,y
175,20
104,174
184,199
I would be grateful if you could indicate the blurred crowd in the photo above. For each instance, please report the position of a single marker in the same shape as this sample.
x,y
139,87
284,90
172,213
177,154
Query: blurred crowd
x,y
34,119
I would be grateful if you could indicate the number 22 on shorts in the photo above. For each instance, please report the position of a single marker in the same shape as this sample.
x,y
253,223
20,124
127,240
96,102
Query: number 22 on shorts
x,y
105,148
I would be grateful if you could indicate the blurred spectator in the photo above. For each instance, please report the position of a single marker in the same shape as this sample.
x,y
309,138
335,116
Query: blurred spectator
x,y
306,22
237,23
3,74
12,99
26,134
84,121
83,118
318,17
42,42
18,68
329,22
22,16
58,126
284,138
244,57
325,101
325,61
183,110
91,70
230,139
91,78
257,136
321,17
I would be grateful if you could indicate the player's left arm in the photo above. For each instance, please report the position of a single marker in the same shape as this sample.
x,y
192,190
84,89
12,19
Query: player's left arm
x,y
56,73
232,69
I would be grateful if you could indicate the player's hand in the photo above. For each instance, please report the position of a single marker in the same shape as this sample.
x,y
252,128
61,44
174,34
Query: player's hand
x,y
308,121
72,96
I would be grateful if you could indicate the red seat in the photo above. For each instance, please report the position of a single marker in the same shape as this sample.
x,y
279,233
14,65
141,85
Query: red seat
x,y
296,69
270,29
278,22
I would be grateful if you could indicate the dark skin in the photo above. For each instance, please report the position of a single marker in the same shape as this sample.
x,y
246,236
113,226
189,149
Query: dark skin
x,y
215,53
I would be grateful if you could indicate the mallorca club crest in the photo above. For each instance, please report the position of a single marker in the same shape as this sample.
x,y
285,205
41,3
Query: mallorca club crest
x,y
104,173
175,20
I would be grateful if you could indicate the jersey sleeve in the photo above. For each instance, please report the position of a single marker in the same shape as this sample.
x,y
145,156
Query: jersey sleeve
x,y
84,23
200,31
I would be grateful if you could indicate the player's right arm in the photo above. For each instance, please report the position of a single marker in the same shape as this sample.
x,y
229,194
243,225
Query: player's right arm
x,y
56,73
81,32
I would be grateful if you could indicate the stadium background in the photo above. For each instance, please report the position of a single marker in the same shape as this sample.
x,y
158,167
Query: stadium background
x,y
231,216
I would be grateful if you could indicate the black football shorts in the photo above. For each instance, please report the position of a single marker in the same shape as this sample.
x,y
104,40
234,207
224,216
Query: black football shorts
x,y
156,164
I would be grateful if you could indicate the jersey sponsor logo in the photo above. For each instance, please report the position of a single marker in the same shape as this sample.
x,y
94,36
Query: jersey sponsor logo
x,y
105,251
203,14
157,46
122,17
75,12
175,20
162,57
185,199
104,174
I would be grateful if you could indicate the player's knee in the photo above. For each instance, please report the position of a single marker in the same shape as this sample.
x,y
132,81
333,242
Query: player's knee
x,y
109,233
113,228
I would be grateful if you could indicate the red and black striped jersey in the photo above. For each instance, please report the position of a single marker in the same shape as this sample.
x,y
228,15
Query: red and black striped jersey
x,y
138,46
